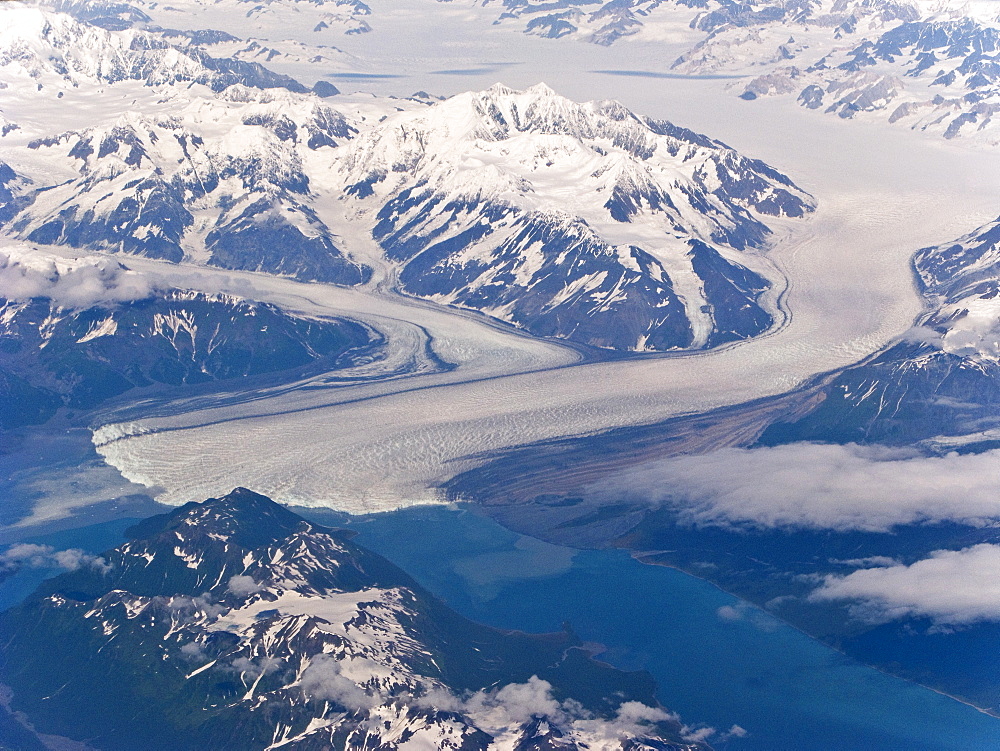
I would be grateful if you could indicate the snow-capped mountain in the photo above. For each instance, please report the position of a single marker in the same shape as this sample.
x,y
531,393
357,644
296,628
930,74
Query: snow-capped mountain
x,y
78,333
255,629
608,21
580,221
941,383
321,19
939,75
40,48
924,64
602,22
217,178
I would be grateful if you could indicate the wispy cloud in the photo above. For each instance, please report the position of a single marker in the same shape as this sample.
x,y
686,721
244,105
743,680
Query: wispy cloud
x,y
815,486
29,555
515,704
500,712
324,680
743,611
951,587
73,283
243,586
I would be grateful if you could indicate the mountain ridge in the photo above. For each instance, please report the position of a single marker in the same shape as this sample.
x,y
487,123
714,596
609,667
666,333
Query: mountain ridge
x,y
267,631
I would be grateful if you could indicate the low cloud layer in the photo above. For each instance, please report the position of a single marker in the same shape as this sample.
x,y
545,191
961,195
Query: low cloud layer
x,y
501,712
72,283
815,486
28,555
951,587
744,612
243,586
323,680
514,705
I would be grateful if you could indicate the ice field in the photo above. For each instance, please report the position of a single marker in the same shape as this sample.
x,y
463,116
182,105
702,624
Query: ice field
x,y
882,194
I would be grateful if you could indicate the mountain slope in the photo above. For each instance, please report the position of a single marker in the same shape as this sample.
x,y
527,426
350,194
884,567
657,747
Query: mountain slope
x,y
155,187
208,166
941,383
928,65
577,221
77,333
51,48
255,629
580,221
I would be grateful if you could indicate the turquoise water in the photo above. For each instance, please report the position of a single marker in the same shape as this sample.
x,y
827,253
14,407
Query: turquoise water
x,y
719,668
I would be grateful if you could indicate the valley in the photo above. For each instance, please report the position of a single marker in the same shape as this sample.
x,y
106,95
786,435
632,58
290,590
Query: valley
x,y
662,318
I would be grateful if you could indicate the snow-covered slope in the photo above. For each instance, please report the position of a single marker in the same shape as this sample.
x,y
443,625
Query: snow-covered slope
x,y
46,48
941,383
941,75
215,177
257,630
581,221
925,64
77,333
577,221
598,21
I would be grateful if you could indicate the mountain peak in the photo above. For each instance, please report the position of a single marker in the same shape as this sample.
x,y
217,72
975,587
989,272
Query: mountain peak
x,y
243,517
500,89
313,640
541,89
476,186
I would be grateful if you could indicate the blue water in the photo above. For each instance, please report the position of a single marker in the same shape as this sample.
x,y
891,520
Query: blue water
x,y
738,667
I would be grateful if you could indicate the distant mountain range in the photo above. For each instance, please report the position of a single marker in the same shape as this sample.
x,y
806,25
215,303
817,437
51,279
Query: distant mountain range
x,y
930,65
235,623
926,64
582,222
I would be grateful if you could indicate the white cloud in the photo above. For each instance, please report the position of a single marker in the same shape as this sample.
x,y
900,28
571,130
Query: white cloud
x,y
502,712
242,586
951,587
514,704
45,556
744,611
817,486
72,283
193,651
973,327
192,608
871,561
253,669
922,335
323,679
